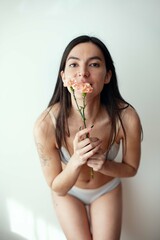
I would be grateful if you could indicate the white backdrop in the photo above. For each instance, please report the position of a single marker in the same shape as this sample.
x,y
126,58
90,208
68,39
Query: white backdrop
x,y
33,35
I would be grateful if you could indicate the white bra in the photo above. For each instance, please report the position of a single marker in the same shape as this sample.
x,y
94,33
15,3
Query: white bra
x,y
110,155
65,155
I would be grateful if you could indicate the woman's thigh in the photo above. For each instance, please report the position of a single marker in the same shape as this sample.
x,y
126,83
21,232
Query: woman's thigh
x,y
73,217
106,215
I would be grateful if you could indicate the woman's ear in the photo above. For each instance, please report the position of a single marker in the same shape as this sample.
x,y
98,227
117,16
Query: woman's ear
x,y
108,77
62,75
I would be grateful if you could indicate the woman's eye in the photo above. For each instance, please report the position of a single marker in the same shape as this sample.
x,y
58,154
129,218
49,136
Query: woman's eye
x,y
73,65
94,64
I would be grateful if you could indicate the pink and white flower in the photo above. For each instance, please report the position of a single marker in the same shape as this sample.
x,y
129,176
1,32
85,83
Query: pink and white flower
x,y
83,88
78,86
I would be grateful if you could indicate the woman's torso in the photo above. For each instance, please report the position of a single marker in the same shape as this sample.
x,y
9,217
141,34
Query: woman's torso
x,y
85,180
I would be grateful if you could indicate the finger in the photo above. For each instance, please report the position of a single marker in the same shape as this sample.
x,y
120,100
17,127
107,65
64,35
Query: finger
x,y
83,143
89,144
92,145
93,139
82,133
95,165
91,152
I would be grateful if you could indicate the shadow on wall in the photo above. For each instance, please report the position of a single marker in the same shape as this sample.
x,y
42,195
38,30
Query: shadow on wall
x,y
136,207
25,225
11,236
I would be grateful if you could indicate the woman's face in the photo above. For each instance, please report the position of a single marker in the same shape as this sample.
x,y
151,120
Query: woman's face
x,y
86,63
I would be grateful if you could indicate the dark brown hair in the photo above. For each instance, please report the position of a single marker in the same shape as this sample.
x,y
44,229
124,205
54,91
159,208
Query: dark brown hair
x,y
110,96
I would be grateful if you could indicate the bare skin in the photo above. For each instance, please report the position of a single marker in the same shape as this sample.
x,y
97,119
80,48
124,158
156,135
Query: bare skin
x,y
106,211
105,216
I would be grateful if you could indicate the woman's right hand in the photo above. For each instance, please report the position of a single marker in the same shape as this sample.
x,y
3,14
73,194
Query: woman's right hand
x,y
84,147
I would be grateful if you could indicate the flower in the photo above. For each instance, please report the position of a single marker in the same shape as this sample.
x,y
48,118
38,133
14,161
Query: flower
x,y
70,83
83,88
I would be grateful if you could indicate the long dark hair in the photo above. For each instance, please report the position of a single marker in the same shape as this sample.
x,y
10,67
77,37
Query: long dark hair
x,y
110,96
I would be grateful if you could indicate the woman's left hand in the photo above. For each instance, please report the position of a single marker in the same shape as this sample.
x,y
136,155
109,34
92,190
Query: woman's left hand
x,y
97,160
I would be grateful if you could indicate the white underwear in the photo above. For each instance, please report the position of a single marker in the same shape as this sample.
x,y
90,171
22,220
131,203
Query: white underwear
x,y
87,196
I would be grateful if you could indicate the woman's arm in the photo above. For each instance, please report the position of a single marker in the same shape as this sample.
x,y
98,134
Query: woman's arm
x,y
131,149
60,181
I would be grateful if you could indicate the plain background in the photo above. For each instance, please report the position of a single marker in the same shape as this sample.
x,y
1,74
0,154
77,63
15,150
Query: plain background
x,y
33,35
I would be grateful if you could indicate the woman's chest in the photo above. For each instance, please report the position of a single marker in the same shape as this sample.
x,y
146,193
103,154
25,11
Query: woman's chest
x,y
103,133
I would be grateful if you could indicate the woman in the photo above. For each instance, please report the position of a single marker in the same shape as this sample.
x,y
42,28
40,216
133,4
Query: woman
x,y
68,157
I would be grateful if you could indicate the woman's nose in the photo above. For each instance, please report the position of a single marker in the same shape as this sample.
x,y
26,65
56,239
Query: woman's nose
x,y
83,74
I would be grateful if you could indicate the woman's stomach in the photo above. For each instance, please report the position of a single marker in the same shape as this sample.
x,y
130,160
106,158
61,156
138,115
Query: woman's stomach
x,y
87,180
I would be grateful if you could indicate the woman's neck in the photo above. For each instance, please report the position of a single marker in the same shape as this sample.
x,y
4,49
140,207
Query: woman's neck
x,y
92,109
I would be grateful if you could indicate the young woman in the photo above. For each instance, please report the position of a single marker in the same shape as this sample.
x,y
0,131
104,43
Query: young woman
x,y
81,170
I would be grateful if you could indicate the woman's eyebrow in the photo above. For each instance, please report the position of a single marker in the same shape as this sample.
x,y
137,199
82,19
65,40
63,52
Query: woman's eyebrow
x,y
72,57
91,58
95,57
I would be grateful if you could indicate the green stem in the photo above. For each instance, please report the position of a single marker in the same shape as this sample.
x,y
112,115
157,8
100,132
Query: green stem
x,y
82,113
84,105
79,110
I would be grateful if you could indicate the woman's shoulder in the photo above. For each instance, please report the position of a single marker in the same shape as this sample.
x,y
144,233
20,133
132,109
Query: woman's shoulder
x,y
129,111
130,117
45,122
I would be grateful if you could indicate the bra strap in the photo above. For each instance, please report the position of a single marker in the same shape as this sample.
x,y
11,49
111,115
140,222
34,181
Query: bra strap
x,y
52,117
